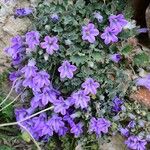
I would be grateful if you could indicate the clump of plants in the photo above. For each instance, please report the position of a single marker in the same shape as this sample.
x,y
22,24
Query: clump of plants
x,y
74,72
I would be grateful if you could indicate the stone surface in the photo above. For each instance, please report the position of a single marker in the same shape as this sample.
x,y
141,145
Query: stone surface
x,y
142,95
148,18
116,143
9,26
16,26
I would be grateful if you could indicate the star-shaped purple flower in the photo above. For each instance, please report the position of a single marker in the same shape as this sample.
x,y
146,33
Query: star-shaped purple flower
x,y
76,129
30,69
115,58
90,86
32,39
40,80
15,48
136,143
89,32
117,21
60,106
50,44
81,99
56,123
99,125
109,35
66,70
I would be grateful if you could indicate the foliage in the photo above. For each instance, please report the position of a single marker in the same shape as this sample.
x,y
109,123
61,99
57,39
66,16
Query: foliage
x,y
92,60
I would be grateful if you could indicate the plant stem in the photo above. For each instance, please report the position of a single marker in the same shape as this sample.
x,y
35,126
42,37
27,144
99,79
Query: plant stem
x,y
11,102
34,141
29,117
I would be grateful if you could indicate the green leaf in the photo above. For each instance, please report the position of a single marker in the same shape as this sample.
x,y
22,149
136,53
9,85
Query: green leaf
x,y
142,59
4,147
96,56
26,137
80,3
126,49
76,59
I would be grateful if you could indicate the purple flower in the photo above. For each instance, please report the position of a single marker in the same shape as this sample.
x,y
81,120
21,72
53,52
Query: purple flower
x,y
47,130
131,124
14,75
117,103
54,17
60,106
28,82
66,70
32,39
56,123
16,47
90,86
117,21
89,32
40,80
69,120
47,95
81,99
76,129
115,58
18,60
30,69
124,132
98,17
99,125
142,30
21,12
145,81
136,143
50,44
62,131
109,35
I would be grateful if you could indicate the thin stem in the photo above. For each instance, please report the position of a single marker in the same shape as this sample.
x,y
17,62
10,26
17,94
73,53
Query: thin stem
x,y
29,117
10,102
9,92
34,141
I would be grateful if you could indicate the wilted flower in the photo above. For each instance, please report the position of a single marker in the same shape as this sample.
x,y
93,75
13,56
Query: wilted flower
x,y
54,17
66,70
99,125
115,58
142,30
98,16
117,103
76,129
117,21
90,86
136,143
110,35
50,44
81,99
145,81
21,12
32,39
131,124
124,132
89,32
